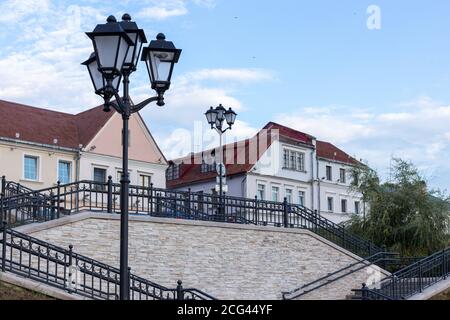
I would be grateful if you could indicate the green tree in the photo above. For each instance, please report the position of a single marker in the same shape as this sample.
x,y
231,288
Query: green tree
x,y
402,213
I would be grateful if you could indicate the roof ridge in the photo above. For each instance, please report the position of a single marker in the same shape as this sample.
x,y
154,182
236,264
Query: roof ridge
x,y
39,108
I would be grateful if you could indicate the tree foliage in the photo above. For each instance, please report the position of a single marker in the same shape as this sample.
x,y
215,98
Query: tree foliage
x,y
401,213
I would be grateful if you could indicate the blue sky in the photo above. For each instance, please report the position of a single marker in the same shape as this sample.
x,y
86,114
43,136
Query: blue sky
x,y
312,65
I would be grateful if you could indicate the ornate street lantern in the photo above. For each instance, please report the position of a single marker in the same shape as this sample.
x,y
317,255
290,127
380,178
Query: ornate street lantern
x,y
138,38
97,78
111,45
160,57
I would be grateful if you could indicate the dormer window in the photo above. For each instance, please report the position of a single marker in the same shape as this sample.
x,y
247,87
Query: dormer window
x,y
208,167
293,160
173,172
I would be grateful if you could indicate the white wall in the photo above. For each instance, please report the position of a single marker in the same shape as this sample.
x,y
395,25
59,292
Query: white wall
x,y
12,163
282,183
337,190
269,171
236,186
113,165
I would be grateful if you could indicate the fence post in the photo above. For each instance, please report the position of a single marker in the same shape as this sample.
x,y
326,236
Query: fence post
x,y
420,276
70,268
52,205
3,191
383,248
151,198
58,199
364,294
109,199
188,204
256,210
2,196
285,213
129,284
180,294
4,246
158,203
444,264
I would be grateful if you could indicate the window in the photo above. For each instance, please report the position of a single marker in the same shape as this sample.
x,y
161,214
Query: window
x,y
342,175
357,208
293,160
64,171
275,193
343,205
329,173
289,195
99,177
330,203
145,180
208,167
30,168
355,178
301,198
261,192
285,158
173,172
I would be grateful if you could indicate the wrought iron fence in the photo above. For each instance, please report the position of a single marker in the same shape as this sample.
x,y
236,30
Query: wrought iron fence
x,y
55,202
380,258
410,280
77,274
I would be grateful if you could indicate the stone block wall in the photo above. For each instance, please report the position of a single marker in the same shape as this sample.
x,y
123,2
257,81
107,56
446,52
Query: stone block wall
x,y
227,261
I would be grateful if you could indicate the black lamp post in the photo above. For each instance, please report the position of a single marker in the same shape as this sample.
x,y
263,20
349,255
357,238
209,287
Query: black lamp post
x,y
216,118
117,47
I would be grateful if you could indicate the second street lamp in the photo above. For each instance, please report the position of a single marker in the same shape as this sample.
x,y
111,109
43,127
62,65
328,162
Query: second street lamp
x,y
117,47
216,118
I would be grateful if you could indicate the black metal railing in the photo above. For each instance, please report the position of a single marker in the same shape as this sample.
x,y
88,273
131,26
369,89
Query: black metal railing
x,y
77,274
410,280
380,258
55,202
388,261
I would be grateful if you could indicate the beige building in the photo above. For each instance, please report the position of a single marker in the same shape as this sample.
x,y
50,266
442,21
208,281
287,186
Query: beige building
x,y
38,147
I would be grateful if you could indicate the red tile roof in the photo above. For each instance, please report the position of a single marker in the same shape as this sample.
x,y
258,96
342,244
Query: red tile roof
x,y
190,170
44,126
329,151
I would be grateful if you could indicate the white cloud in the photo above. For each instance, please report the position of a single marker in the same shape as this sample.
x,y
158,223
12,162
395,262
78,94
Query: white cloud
x,y
235,75
13,11
164,9
161,13
189,97
417,131
187,101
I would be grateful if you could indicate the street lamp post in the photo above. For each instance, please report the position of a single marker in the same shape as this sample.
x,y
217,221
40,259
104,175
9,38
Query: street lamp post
x,y
216,118
117,49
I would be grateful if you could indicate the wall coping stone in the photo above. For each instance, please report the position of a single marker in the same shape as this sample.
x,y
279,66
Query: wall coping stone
x,y
38,287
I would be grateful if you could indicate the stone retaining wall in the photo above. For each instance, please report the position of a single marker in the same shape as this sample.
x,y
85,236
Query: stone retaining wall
x,y
225,260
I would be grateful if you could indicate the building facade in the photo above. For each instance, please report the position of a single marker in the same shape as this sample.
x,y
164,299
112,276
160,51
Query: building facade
x,y
39,147
279,162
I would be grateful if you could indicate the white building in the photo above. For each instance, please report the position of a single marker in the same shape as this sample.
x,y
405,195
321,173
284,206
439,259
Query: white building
x,y
278,162
38,147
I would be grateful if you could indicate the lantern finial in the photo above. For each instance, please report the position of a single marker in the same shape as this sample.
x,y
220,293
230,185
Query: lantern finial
x,y
111,19
126,17
160,36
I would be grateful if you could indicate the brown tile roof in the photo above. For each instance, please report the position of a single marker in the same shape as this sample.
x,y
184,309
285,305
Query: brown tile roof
x,y
43,126
190,170
329,151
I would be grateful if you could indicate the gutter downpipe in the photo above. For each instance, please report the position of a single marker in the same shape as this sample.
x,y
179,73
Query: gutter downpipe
x,y
312,178
318,186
